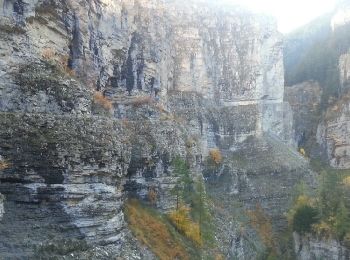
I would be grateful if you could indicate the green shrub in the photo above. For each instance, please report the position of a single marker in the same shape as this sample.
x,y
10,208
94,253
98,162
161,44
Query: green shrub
x,y
304,217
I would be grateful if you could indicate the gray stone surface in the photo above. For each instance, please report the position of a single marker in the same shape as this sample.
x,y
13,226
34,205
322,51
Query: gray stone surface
x,y
305,102
308,247
333,134
262,172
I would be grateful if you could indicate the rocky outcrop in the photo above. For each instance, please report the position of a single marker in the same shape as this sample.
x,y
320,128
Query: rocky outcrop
x,y
333,134
262,173
155,47
312,248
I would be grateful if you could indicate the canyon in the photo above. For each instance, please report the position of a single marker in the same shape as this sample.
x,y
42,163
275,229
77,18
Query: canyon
x,y
99,98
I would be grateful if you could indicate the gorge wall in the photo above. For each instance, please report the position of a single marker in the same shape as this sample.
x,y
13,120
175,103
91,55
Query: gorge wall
x,y
98,97
316,59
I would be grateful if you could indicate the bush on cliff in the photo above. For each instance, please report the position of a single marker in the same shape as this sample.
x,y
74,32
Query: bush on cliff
x,y
304,218
216,155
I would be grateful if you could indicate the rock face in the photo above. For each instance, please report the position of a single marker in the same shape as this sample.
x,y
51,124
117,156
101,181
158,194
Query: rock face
x,y
176,78
155,47
1,206
305,100
344,70
311,248
262,173
333,134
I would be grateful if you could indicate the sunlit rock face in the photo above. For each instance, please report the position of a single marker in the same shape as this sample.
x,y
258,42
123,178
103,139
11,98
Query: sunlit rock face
x,y
217,73
342,15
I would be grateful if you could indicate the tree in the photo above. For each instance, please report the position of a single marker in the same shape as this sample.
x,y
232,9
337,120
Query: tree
x,y
342,221
304,217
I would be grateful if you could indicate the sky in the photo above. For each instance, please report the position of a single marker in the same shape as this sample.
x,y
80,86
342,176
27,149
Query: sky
x,y
290,14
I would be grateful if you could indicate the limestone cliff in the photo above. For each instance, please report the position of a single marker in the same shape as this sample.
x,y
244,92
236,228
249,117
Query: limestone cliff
x,y
98,97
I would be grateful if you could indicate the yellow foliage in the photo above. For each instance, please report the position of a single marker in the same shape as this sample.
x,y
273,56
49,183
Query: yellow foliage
x,y
216,156
4,165
347,239
302,152
323,229
301,201
183,222
262,224
346,181
150,230
219,257
304,200
102,101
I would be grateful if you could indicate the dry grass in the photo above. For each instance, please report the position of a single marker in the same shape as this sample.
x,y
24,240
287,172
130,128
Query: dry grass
x,y
4,165
183,222
61,61
152,196
215,155
141,101
102,101
219,257
262,224
153,232
48,54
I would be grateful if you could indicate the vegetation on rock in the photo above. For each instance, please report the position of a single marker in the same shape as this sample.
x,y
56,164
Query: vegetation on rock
x,y
151,229
325,212
191,193
182,220
216,156
102,101
262,224
4,164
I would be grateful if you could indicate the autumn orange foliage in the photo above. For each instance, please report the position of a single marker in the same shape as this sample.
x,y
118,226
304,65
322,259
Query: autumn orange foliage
x,y
153,232
262,224
216,156
61,61
141,101
152,196
102,101
183,222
